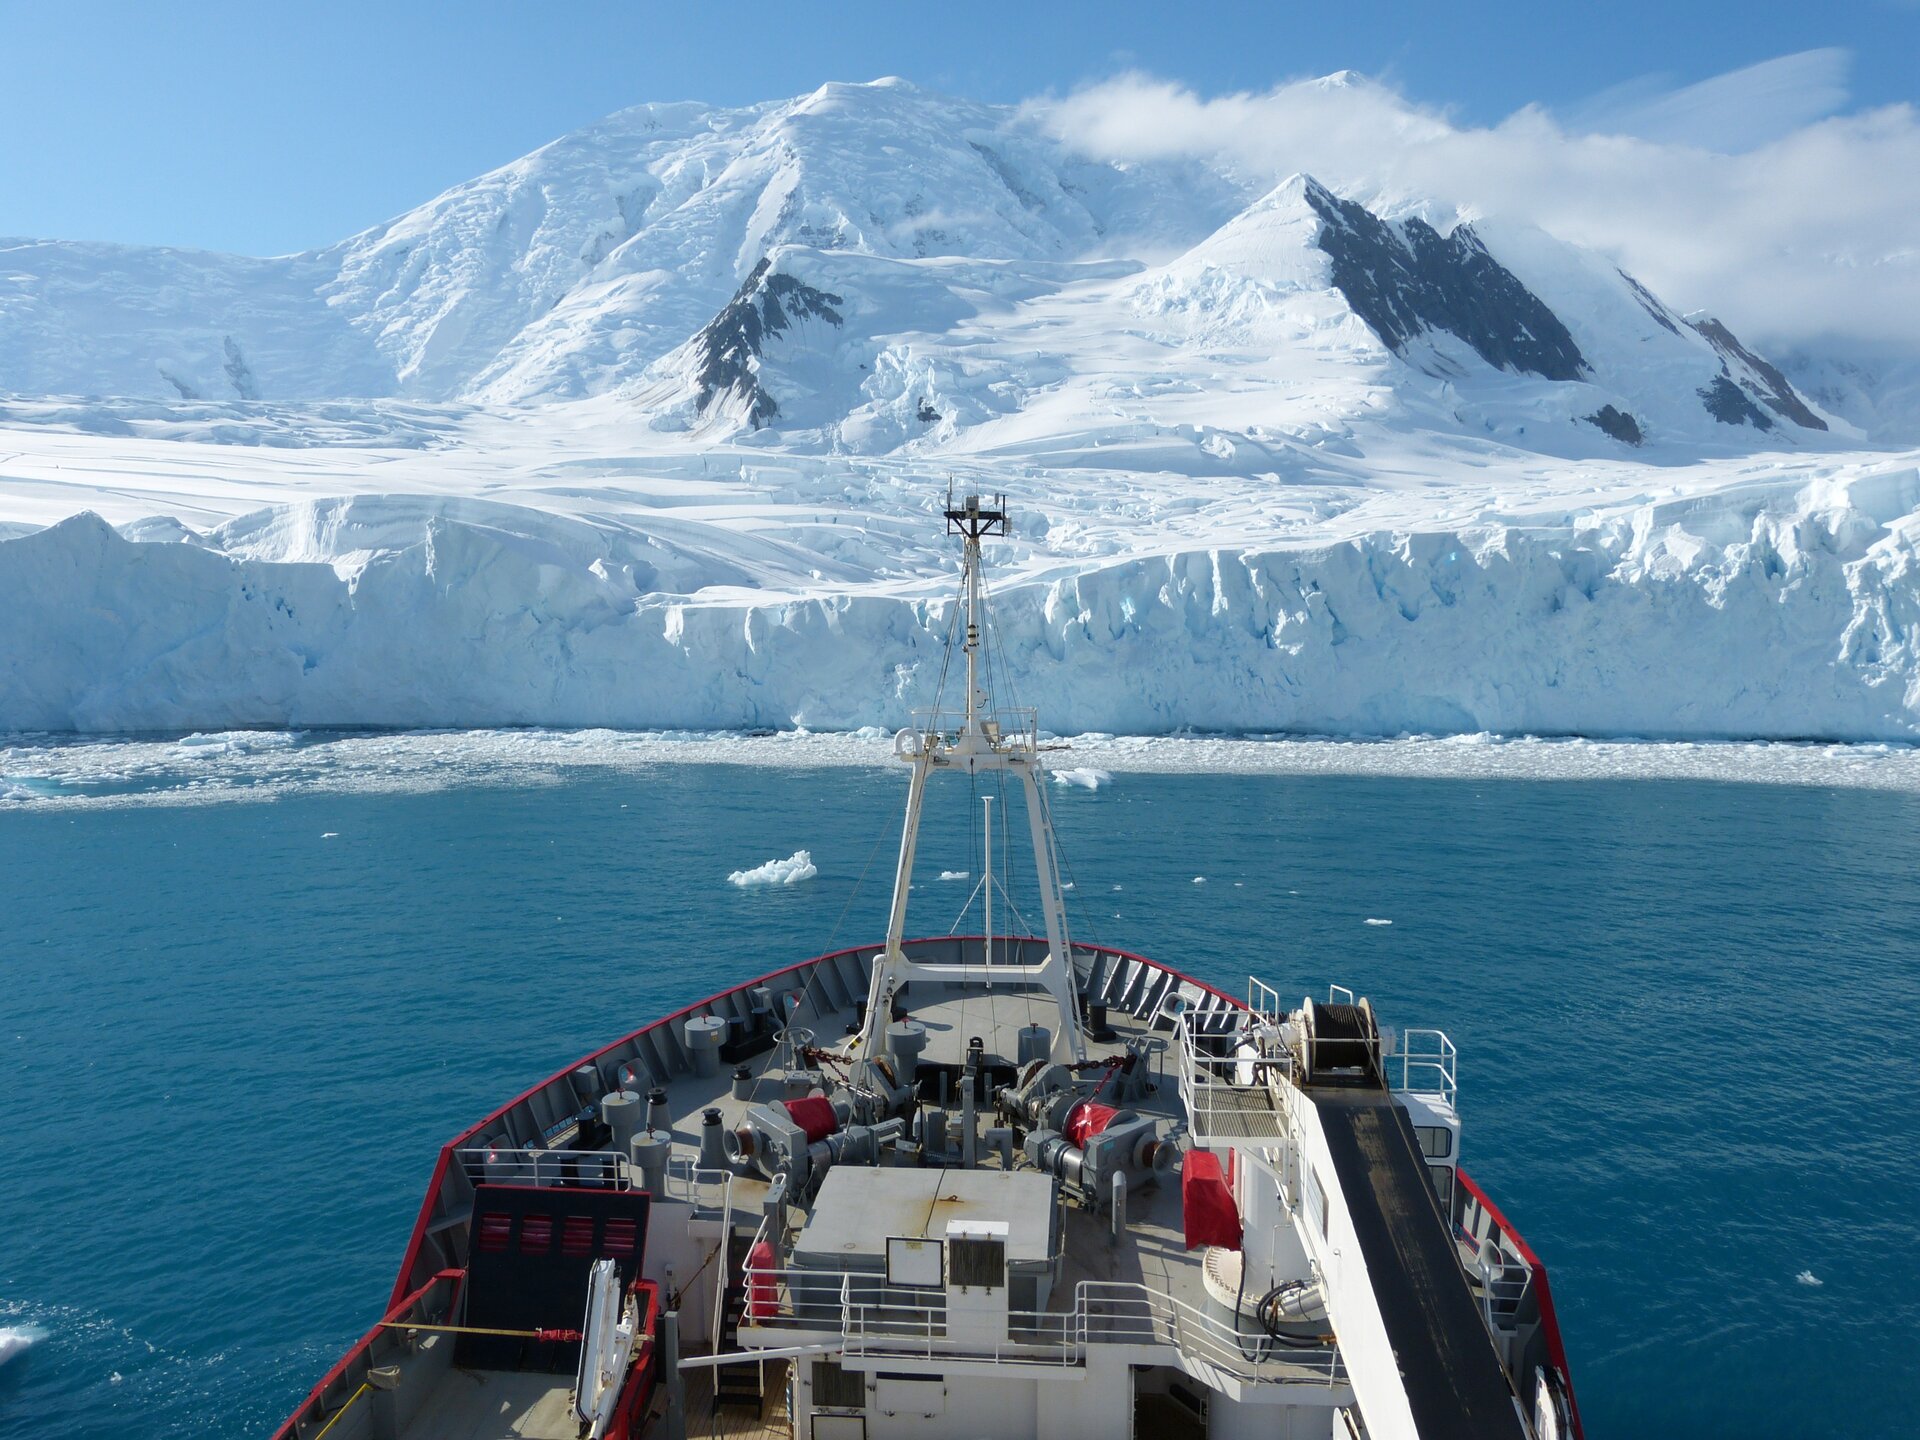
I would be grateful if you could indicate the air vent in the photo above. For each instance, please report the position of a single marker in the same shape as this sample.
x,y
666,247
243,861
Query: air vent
x,y
976,1260
837,1388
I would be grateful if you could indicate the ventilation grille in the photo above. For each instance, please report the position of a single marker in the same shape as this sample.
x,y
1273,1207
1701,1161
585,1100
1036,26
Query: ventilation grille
x,y
976,1260
837,1388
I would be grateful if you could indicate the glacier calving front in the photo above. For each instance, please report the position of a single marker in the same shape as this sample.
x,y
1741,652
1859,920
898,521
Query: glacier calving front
x,y
641,431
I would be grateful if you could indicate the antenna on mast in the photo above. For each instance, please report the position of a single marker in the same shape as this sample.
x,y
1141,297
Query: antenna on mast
x,y
974,522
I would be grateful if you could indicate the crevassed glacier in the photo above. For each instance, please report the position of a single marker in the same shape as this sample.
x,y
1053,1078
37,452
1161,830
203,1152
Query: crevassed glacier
x,y
1760,609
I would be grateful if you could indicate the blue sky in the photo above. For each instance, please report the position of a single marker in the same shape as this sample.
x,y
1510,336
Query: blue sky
x,y
269,127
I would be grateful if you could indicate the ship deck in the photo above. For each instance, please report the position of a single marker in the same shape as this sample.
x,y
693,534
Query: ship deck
x,y
1153,1248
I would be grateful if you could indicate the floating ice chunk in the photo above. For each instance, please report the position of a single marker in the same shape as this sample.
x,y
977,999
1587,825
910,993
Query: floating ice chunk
x,y
18,1339
1807,1277
1376,920
1084,777
870,732
237,742
1199,879
329,834
790,871
956,874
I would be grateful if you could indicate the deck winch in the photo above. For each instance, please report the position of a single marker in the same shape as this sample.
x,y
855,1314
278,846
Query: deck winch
x,y
1112,1142
793,1138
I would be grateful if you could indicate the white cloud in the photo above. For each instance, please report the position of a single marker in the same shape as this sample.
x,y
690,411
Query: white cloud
x,y
1804,234
1731,113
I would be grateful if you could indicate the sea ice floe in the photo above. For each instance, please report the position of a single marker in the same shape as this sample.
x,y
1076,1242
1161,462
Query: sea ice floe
x,y
1807,1277
790,871
1083,777
1376,920
57,772
956,874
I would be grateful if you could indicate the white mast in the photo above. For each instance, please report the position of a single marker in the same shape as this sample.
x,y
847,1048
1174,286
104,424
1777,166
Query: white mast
x,y
986,898
984,739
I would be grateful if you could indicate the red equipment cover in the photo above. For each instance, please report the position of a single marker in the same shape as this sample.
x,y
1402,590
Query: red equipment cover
x,y
1206,1204
813,1114
1086,1120
762,1303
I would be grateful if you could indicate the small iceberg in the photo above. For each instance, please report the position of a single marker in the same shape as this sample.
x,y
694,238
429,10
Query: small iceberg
x,y
1807,1277
1376,920
1083,778
790,871
956,874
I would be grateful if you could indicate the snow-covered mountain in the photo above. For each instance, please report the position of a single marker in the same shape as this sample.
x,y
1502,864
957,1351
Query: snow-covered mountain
x,y
647,428
631,252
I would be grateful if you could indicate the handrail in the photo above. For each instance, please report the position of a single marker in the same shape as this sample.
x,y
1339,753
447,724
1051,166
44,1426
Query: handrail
x,y
1429,1064
872,1317
726,1264
528,1165
1263,1000
1215,1086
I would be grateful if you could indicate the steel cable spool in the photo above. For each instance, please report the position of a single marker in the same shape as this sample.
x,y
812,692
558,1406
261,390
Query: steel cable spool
x,y
1341,1037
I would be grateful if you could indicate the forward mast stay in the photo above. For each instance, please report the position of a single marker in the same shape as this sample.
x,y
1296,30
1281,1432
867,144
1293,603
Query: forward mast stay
x,y
984,740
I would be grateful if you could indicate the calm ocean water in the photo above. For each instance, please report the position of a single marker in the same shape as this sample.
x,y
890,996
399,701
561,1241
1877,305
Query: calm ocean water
x,y
236,1034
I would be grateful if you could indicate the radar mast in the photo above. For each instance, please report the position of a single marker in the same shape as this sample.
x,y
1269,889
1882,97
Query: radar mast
x,y
980,738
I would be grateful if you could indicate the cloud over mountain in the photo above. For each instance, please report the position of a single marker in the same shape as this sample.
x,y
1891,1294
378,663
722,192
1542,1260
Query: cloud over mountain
x,y
1796,235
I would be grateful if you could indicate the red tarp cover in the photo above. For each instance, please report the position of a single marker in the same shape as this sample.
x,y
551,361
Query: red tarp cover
x,y
1206,1203
762,1303
813,1114
1087,1120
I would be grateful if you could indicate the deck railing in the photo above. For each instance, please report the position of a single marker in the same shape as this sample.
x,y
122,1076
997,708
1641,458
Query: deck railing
x,y
589,1169
1015,728
1502,1274
1233,1097
1425,1062
873,1318
522,1165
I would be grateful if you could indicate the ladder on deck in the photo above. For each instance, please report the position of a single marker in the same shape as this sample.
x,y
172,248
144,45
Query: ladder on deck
x,y
742,1383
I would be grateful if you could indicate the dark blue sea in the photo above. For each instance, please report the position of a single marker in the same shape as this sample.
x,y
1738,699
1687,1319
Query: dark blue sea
x,y
235,1035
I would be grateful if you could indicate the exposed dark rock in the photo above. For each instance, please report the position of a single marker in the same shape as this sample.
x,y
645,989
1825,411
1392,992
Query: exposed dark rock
x,y
239,373
1617,423
1405,280
928,415
1728,404
997,163
1662,316
1774,388
728,350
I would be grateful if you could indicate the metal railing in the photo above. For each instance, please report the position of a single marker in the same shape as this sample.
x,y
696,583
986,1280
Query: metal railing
x,y
1264,1001
522,1165
1502,1275
1233,1097
1015,728
589,1169
1125,1313
873,1318
1426,1064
